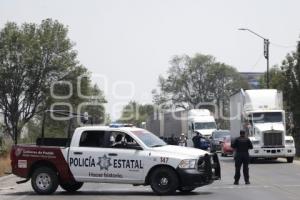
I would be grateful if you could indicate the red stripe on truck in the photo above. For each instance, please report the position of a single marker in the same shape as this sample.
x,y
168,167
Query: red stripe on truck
x,y
24,159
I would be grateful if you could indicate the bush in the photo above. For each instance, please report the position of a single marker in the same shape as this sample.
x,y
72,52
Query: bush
x,y
5,164
5,146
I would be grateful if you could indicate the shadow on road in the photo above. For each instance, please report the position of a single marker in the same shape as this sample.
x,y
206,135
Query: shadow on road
x,y
265,161
256,161
107,193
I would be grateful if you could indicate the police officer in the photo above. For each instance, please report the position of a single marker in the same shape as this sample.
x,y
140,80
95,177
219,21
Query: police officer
x,y
196,140
241,145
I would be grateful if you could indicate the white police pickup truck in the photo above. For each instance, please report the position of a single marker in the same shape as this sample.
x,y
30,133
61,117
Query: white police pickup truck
x,y
113,155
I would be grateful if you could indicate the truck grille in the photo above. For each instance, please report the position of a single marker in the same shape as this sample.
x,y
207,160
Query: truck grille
x,y
273,139
205,165
210,166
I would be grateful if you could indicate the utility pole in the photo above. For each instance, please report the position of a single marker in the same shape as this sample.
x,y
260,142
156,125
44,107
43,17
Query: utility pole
x,y
266,54
266,51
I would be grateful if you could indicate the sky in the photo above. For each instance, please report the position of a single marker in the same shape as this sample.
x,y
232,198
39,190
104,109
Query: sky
x,y
127,44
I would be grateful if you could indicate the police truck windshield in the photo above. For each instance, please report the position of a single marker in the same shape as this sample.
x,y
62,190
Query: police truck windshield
x,y
267,117
149,139
205,125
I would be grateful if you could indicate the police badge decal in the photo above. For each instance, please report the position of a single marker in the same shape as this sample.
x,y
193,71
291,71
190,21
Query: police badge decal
x,y
104,162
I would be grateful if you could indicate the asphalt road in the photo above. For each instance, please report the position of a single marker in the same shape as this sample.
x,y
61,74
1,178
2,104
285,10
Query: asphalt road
x,y
269,180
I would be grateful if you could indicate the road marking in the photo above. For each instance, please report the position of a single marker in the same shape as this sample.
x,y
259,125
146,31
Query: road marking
x,y
288,185
8,188
248,186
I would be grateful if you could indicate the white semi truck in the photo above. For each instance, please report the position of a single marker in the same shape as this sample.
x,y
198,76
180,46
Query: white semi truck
x,y
260,113
186,121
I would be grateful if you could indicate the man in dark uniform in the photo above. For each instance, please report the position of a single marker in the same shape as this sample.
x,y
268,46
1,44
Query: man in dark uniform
x,y
196,140
241,145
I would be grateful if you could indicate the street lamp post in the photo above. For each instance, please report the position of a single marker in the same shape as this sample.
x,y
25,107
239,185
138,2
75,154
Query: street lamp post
x,y
266,50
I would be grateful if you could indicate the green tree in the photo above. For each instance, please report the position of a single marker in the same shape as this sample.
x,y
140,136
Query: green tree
x,y
277,79
32,58
135,113
291,90
95,106
192,81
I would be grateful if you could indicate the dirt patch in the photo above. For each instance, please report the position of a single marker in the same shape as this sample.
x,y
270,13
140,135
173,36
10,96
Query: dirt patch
x,y
4,164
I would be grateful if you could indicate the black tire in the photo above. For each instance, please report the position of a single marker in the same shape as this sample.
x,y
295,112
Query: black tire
x,y
71,187
164,181
290,159
44,180
186,190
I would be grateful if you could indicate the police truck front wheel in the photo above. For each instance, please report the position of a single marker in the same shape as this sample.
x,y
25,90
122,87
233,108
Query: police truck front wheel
x,y
71,187
164,181
44,180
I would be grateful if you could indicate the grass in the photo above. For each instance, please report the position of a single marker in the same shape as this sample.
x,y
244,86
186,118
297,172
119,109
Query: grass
x,y
4,164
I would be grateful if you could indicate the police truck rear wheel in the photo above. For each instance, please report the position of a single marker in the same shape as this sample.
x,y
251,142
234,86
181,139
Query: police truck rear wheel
x,y
71,187
44,180
164,181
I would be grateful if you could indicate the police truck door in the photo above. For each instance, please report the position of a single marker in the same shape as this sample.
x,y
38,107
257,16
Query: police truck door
x,y
84,158
126,163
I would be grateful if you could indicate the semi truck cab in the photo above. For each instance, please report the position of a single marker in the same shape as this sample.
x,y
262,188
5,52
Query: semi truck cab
x,y
260,112
266,130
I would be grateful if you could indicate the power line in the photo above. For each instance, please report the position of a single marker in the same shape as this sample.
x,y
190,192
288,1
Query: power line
x,y
257,61
283,46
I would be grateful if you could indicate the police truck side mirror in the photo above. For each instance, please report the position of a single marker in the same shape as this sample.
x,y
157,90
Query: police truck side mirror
x,y
134,146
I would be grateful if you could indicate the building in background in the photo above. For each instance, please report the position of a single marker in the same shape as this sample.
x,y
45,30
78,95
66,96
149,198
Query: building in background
x,y
252,78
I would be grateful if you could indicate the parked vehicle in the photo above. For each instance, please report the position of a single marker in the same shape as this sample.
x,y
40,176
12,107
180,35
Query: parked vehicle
x,y
260,113
226,149
216,138
187,122
201,142
104,154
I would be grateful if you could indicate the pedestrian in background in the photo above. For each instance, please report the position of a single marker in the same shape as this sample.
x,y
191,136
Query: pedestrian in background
x,y
241,146
182,140
172,140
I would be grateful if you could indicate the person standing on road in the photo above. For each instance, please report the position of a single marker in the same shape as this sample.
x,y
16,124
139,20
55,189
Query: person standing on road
x,y
196,140
241,145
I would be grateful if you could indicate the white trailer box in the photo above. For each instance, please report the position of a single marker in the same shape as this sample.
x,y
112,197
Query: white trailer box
x,y
174,123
